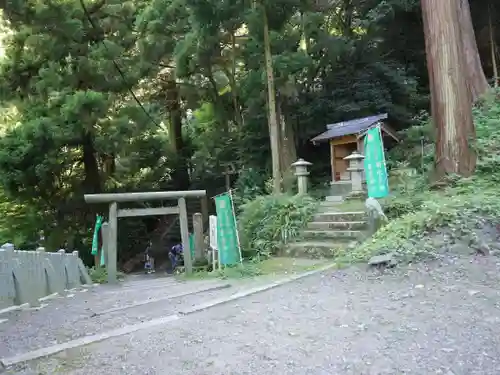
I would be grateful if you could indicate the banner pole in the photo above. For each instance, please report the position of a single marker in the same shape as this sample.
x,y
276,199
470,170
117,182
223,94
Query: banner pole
x,y
236,225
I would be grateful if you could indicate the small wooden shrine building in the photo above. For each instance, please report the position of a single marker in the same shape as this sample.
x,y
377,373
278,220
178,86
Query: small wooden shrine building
x,y
348,136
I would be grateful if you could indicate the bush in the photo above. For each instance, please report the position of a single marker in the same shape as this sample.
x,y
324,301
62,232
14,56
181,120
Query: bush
x,y
99,275
417,146
487,121
250,184
269,222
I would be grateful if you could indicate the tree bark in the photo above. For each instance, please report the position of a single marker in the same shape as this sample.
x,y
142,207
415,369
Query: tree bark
x,y
272,118
288,154
450,98
180,174
493,50
238,119
92,180
476,79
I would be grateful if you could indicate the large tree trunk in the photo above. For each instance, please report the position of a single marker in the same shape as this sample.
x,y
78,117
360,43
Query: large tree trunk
x,y
92,179
273,123
288,154
476,80
450,98
180,174
238,119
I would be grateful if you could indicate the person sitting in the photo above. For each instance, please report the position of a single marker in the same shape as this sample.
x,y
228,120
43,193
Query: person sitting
x,y
174,255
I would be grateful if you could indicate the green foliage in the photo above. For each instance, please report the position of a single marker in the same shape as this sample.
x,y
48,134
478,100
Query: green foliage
x,y
71,124
416,149
269,222
19,223
411,235
251,183
487,121
99,275
247,269
418,213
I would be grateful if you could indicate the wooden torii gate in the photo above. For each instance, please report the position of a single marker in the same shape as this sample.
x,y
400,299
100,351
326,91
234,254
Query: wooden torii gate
x,y
114,213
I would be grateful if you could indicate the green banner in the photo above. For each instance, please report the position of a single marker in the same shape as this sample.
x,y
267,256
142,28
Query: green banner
x,y
227,236
191,245
377,181
95,239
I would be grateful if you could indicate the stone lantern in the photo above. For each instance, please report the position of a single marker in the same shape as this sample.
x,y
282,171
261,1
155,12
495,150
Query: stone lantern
x,y
301,172
356,168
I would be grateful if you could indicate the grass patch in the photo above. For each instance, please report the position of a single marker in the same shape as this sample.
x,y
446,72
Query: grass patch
x,y
410,236
100,275
275,266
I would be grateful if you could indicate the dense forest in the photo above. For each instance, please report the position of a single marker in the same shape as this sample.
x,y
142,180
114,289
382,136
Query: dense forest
x,y
106,95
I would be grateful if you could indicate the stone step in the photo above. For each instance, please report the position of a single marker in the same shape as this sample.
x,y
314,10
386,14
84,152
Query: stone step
x,y
334,199
336,216
337,225
312,249
329,208
337,235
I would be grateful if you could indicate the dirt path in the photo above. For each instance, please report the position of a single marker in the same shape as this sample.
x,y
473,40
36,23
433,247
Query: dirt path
x,y
438,319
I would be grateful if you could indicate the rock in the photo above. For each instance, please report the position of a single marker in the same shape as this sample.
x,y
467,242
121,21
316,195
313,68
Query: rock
x,y
459,248
387,260
376,217
495,246
447,350
482,248
495,253
352,245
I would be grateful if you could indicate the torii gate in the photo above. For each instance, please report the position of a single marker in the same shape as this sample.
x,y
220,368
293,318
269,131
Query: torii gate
x,y
114,213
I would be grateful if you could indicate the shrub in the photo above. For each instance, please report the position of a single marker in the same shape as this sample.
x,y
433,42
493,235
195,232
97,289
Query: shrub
x,y
250,184
487,121
269,222
99,275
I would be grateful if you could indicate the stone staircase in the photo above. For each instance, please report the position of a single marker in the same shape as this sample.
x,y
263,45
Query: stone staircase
x,y
332,228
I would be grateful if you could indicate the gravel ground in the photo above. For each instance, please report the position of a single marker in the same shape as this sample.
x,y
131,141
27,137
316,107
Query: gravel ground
x,y
428,319
64,319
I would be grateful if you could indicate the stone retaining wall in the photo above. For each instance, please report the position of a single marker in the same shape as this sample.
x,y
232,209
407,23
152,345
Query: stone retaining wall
x,y
26,277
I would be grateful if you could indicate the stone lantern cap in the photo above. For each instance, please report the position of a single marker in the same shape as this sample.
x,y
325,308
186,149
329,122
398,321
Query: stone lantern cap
x,y
301,163
355,156
301,167
355,162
